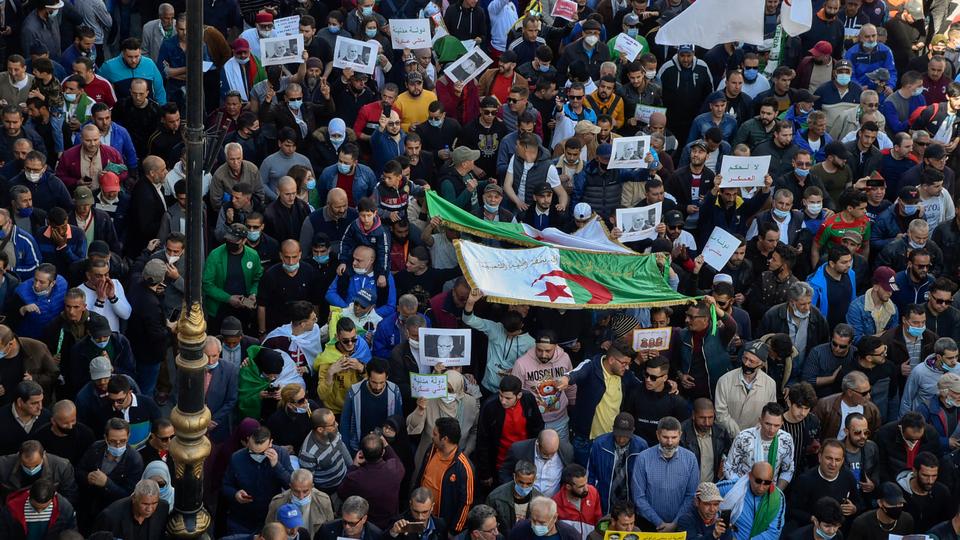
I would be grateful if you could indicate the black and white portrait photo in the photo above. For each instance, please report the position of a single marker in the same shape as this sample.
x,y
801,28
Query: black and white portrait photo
x,y
638,223
357,55
629,152
446,346
282,50
468,66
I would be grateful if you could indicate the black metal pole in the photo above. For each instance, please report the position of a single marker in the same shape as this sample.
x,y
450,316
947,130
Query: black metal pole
x,y
191,417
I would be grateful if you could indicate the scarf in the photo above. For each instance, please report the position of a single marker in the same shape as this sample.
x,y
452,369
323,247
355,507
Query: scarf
x,y
765,512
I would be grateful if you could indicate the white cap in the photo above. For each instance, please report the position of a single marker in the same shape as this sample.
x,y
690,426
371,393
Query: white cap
x,y
722,278
582,211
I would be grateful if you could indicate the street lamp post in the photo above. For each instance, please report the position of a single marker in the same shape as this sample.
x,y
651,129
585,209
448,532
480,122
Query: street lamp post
x,y
190,447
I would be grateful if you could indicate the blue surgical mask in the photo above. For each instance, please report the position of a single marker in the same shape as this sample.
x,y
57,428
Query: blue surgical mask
x,y
632,32
522,491
843,79
300,410
951,369
750,74
824,535
25,212
782,214
333,29
44,293
32,472
490,208
343,168
211,367
869,44
291,267
815,208
802,173
916,245
295,104
301,502
70,97
311,184
367,11
257,457
116,452
165,491
910,209
102,344
253,236
916,331
543,68
371,32
918,92
540,530
337,141
322,259
435,122
950,403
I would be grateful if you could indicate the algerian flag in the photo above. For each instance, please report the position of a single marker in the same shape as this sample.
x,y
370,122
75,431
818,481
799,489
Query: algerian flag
x,y
711,22
592,237
552,277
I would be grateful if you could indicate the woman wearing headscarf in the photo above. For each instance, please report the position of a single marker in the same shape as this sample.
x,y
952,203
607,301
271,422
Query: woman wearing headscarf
x,y
394,430
159,472
291,423
457,404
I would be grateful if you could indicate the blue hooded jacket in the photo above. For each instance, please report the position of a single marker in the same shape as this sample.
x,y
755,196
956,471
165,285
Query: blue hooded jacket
x,y
32,324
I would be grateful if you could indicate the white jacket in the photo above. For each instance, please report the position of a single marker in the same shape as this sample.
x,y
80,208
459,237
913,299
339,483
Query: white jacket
x,y
738,408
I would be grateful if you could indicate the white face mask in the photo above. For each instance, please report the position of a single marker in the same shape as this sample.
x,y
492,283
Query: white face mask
x,y
414,344
448,398
172,259
591,40
33,176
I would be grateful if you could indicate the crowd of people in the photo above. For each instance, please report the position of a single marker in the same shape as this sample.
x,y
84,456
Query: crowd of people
x,y
809,390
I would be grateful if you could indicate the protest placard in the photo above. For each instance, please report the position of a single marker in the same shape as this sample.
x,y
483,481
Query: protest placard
x,y
628,46
652,339
286,26
450,347
639,223
428,386
277,51
719,248
410,33
566,9
743,171
644,111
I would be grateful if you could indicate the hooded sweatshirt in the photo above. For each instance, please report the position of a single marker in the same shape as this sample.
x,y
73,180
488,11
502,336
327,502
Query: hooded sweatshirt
x,y
538,378
922,384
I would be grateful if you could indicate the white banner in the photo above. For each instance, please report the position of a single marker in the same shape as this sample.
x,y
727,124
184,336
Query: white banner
x,y
711,22
410,33
520,274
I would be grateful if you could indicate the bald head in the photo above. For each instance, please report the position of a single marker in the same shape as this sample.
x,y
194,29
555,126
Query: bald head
x,y
152,166
548,443
761,477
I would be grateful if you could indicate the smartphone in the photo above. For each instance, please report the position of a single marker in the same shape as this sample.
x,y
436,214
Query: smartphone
x,y
175,316
385,108
415,528
725,516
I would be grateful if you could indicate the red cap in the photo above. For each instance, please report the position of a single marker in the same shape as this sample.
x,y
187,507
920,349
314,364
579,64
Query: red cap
x,y
267,17
822,48
109,182
240,45
885,277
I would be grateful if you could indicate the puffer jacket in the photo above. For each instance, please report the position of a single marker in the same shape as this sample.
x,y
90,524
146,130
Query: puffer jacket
x,y
600,189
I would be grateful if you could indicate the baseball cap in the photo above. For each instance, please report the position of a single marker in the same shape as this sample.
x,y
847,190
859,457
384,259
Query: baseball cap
x,y
716,96
231,327
604,150
842,64
852,236
631,19
699,143
582,211
462,154
100,368
586,126
949,381
909,194
804,96
541,188
685,48
673,218
109,181
509,57
623,425
939,39
547,337
414,76
879,74
885,277
758,349
365,298
822,48
82,195
263,17
289,515
709,492
98,327
837,149
154,271
492,186
236,232
240,45
891,494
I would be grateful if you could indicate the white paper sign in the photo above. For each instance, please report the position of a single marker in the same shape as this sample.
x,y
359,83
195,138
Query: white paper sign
x,y
428,386
356,55
645,111
719,248
628,46
743,171
410,33
639,223
468,66
566,9
277,51
629,152
287,26
652,339
450,347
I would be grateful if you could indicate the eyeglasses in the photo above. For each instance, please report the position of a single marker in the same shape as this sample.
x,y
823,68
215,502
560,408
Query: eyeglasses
x,y
839,345
513,101
393,123
942,302
489,112
165,439
652,377
348,340
353,524
674,227
301,400
119,401
760,482
863,393
575,97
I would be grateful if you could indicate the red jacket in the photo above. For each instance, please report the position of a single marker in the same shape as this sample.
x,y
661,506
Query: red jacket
x,y
62,517
589,511
464,108
68,169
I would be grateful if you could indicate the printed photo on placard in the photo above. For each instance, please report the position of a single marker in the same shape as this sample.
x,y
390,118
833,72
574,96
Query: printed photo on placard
x,y
638,223
468,66
282,50
629,152
450,347
357,55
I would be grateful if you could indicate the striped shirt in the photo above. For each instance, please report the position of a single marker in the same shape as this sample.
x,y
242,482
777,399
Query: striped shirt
x,y
327,460
832,229
663,488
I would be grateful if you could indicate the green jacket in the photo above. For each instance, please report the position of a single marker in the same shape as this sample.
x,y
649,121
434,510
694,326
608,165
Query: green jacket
x,y
215,276
249,386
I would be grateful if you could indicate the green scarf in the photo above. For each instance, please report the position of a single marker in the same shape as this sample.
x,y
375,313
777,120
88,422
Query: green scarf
x,y
769,503
249,386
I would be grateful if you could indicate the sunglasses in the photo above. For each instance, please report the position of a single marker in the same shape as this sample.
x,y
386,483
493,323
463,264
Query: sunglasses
x,y
120,400
348,340
486,112
839,345
301,400
865,393
918,143
760,482
947,302
165,439
575,97
652,377
352,524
